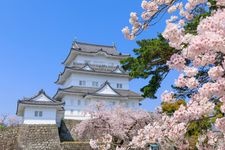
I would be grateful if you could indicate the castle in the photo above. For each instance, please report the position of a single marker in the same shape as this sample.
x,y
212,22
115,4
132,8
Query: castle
x,y
92,74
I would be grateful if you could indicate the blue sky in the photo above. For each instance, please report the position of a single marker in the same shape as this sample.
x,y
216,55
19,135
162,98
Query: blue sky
x,y
36,36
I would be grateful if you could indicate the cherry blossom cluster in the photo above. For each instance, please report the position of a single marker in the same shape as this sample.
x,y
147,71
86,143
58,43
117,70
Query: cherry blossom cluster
x,y
112,126
103,143
220,124
168,97
210,140
222,108
9,120
197,108
216,72
152,8
220,3
190,71
183,81
176,62
165,131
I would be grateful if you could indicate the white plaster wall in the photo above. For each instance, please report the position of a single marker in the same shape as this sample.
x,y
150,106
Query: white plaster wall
x,y
74,79
48,115
75,107
72,102
130,103
98,60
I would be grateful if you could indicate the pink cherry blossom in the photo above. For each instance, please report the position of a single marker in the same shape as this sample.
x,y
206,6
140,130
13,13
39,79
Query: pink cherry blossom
x,y
190,71
176,62
216,72
167,96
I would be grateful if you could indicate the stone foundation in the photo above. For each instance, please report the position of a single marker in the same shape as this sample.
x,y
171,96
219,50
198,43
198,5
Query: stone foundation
x,y
75,146
39,137
8,138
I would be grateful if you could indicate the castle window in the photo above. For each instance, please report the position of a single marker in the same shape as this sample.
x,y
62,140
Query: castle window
x,y
119,85
78,102
95,84
82,83
38,113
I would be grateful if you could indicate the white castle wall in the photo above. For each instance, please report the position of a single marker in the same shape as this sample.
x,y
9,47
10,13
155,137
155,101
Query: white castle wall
x,y
48,115
97,59
74,79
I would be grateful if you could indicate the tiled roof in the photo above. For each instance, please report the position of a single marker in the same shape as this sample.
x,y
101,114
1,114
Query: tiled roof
x,y
93,91
95,69
98,68
87,47
31,100
50,103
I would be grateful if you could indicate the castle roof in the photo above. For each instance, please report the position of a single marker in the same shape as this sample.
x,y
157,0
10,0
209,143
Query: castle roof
x,y
104,91
98,68
40,99
92,49
91,69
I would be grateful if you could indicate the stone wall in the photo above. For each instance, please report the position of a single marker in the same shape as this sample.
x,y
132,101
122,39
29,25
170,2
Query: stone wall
x,y
39,137
8,138
75,146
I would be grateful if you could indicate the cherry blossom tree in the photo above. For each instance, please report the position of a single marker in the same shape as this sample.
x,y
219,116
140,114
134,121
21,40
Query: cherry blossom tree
x,y
112,127
8,120
203,48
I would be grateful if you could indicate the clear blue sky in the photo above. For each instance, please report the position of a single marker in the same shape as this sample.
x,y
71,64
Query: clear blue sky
x,y
35,37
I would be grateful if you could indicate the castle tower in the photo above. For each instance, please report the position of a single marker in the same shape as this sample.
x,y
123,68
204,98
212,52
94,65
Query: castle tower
x,y
93,74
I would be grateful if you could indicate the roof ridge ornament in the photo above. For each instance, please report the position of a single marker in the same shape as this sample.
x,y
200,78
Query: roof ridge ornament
x,y
42,91
75,43
107,82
